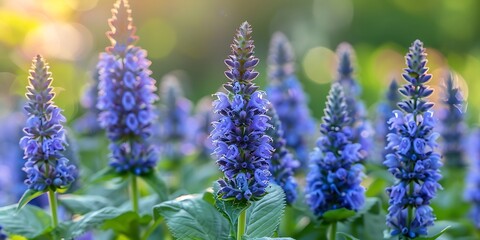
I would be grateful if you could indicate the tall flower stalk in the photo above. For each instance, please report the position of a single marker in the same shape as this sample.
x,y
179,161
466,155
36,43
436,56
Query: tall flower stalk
x,y
125,100
357,114
335,173
242,146
287,96
414,162
48,170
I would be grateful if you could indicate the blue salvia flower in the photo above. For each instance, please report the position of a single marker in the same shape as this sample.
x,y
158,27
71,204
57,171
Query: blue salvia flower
x,y
452,125
414,162
385,112
335,174
126,96
472,191
282,163
287,96
3,236
88,123
357,114
242,147
176,124
204,117
44,142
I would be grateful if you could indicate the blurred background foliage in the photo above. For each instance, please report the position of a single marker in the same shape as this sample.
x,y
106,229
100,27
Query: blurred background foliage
x,y
193,36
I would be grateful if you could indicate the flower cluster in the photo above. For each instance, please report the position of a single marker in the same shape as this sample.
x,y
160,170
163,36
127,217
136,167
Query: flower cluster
x,y
176,124
126,96
286,94
385,112
472,192
44,142
452,125
241,145
204,117
282,163
357,114
335,174
88,123
413,162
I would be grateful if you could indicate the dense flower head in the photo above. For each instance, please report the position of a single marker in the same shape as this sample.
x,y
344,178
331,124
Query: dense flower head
x,y
88,123
357,114
204,117
413,161
282,163
176,124
335,173
44,142
242,147
287,96
385,112
472,190
126,96
452,127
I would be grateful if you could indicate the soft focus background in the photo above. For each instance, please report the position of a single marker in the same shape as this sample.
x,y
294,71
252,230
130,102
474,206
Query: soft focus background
x,y
193,36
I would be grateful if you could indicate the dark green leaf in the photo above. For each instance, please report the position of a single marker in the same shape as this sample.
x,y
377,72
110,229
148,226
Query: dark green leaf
x,y
189,217
127,224
229,209
337,215
347,236
263,216
158,185
28,196
265,238
29,222
83,204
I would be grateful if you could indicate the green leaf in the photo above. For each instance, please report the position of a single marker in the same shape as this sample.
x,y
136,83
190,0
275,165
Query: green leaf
x,y
263,217
229,209
266,238
73,229
347,236
337,215
436,233
28,196
127,224
189,217
157,184
29,222
83,204
103,175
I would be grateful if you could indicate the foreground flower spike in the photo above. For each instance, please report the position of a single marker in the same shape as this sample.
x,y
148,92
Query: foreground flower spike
x,y
452,126
287,96
335,174
204,117
242,147
126,96
282,163
414,163
44,141
176,124
385,112
357,114
472,192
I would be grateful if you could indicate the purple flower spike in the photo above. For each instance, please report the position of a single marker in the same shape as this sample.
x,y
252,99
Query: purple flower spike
x,y
242,147
335,173
44,141
287,96
472,192
412,158
126,96
204,117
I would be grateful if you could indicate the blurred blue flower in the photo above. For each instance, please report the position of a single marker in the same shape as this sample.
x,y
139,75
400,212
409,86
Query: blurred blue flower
x,y
242,147
88,123
282,163
204,117
335,174
287,96
126,96
361,127
452,125
472,190
44,141
413,160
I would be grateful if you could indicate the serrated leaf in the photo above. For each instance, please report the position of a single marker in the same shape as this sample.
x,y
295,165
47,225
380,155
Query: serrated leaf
x,y
83,204
29,222
229,209
28,196
263,217
434,235
189,217
157,185
337,215
347,236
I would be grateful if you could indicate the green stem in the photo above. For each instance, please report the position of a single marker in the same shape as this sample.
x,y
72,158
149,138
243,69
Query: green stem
x,y
151,228
134,193
333,231
53,206
242,222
